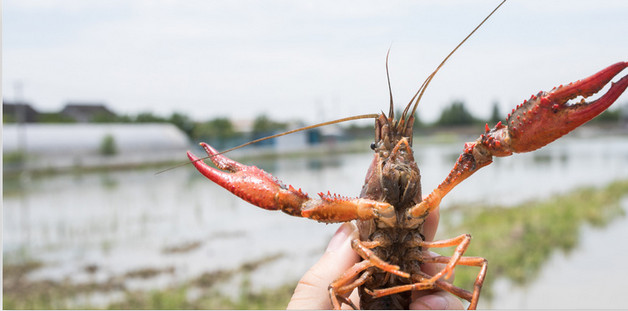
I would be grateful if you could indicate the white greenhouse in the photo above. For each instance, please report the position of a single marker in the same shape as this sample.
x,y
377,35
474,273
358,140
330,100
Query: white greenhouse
x,y
94,145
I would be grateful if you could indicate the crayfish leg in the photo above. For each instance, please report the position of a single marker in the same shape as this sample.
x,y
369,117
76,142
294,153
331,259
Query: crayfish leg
x,y
479,279
461,242
425,281
344,285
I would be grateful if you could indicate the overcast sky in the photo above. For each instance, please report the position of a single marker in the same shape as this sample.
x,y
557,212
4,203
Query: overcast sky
x,y
311,60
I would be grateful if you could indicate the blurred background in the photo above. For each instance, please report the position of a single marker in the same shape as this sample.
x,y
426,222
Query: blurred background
x,y
99,96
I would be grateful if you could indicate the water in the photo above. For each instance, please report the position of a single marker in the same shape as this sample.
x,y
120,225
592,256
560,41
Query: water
x,y
125,221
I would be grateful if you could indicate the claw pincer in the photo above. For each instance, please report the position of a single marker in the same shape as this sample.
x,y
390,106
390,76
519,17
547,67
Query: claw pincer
x,y
548,116
250,183
262,189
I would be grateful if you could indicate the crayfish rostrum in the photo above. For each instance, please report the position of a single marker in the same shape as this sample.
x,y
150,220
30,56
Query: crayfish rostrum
x,y
390,211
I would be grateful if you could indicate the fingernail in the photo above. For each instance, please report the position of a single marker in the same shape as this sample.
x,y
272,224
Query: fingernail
x,y
339,237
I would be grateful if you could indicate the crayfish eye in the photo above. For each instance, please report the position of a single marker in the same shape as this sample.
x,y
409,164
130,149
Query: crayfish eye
x,y
373,146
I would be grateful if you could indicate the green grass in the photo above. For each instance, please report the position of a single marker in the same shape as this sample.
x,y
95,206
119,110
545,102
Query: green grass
x,y
518,240
177,298
21,293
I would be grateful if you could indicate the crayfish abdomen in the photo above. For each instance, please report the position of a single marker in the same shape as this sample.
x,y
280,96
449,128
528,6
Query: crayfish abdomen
x,y
397,246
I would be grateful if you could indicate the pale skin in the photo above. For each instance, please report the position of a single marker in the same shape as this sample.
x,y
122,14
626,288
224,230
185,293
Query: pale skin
x,y
312,290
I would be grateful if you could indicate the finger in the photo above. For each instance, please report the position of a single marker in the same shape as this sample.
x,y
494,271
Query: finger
x,y
433,268
312,290
437,300
431,224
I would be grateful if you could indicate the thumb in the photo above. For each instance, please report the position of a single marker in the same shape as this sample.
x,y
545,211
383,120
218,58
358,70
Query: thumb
x,y
312,290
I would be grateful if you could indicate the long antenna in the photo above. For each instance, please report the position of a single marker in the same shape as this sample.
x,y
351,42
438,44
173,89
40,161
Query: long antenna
x,y
391,111
427,81
358,117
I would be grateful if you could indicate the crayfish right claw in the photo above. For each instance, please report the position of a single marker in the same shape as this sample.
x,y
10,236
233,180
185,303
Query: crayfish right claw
x,y
535,123
548,115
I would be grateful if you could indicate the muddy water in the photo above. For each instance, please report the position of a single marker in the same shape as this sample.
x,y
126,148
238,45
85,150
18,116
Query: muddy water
x,y
90,227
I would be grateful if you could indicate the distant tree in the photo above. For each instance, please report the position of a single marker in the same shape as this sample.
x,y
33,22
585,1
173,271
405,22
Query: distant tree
x,y
608,116
264,126
149,117
108,145
417,119
109,118
54,117
183,122
496,115
8,118
456,114
216,131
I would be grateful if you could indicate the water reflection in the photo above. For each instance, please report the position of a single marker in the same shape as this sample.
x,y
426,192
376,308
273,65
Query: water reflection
x,y
99,227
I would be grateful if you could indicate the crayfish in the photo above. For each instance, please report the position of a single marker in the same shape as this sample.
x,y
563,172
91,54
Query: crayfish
x,y
390,211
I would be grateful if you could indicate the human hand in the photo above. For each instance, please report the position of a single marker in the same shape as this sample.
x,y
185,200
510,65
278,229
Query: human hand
x,y
312,290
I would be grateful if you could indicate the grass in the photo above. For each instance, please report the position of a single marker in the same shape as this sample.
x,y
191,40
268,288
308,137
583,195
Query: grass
x,y
518,240
21,293
177,298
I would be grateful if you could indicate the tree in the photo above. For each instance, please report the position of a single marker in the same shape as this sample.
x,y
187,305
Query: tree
x,y
54,117
216,131
108,145
456,114
417,120
264,126
109,118
148,117
183,122
496,115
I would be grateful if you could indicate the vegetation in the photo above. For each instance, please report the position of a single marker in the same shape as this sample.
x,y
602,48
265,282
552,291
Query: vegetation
x,y
264,126
456,114
518,240
54,117
496,115
20,293
219,130
608,116
108,145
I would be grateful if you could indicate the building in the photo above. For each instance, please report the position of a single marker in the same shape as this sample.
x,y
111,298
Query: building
x,y
19,112
80,145
85,112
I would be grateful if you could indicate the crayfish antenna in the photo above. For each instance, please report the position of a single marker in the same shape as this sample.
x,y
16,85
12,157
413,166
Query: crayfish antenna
x,y
391,110
419,94
358,117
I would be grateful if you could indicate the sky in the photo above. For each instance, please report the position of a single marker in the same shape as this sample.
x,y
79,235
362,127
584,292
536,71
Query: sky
x,y
309,60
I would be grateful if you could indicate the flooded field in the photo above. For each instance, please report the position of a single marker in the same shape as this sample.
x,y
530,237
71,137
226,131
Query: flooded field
x,y
105,235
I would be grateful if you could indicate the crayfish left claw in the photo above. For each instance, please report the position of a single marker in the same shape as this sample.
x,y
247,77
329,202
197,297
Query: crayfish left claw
x,y
250,183
548,116
262,189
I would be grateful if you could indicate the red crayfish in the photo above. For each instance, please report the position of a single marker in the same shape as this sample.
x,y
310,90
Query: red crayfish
x,y
390,211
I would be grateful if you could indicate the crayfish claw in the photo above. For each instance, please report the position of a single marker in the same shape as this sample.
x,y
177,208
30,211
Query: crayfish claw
x,y
250,183
547,116
221,161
